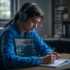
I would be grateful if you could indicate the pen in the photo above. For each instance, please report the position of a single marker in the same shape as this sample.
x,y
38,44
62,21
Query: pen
x,y
54,53
53,49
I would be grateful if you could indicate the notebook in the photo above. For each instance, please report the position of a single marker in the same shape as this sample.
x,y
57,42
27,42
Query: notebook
x,y
57,63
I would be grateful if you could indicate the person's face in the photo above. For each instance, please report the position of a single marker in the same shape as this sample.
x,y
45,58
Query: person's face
x,y
31,23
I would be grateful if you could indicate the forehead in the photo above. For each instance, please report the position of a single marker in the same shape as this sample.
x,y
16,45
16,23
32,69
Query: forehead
x,y
37,18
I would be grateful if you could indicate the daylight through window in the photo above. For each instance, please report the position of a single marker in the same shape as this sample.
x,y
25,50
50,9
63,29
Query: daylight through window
x,y
5,12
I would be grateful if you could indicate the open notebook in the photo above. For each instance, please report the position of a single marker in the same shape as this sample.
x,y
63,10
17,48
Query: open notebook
x,y
57,63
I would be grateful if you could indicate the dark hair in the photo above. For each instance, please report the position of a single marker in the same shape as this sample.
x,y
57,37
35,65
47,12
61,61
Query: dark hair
x,y
31,12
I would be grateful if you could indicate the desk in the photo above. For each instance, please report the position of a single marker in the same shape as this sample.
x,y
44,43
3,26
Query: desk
x,y
66,56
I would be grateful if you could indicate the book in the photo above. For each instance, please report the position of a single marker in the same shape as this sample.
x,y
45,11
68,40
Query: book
x,y
66,29
57,63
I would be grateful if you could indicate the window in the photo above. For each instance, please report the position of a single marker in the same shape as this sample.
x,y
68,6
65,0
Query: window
x,y
8,8
5,12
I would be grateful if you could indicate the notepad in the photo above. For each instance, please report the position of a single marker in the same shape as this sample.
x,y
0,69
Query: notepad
x,y
57,63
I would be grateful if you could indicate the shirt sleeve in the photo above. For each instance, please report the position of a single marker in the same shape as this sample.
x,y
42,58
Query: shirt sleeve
x,y
42,47
10,59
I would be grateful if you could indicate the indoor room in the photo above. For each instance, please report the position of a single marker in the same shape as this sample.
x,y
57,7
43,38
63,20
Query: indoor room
x,y
51,29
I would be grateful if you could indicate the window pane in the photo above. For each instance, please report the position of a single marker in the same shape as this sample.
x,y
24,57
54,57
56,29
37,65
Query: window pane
x,y
5,12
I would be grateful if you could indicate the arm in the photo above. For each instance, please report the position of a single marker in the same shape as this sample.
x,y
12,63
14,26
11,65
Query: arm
x,y
10,59
41,46
45,49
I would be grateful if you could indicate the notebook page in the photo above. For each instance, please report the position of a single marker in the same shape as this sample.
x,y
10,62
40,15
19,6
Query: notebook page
x,y
57,63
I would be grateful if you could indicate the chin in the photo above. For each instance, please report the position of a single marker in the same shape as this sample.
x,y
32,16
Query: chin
x,y
30,30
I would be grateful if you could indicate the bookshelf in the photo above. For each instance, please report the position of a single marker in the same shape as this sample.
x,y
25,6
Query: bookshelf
x,y
66,29
60,14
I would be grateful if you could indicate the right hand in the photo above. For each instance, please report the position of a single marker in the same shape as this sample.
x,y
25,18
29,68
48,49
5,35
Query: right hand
x,y
48,59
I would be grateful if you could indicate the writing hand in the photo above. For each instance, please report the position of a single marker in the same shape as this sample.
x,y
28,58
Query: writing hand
x,y
48,59
56,54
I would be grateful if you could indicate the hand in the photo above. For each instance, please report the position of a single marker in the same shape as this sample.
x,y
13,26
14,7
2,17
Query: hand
x,y
48,59
56,54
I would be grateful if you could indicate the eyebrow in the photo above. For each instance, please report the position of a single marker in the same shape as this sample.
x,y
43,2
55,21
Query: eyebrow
x,y
35,20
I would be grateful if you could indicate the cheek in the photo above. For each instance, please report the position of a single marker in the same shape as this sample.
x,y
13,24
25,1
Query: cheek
x,y
31,25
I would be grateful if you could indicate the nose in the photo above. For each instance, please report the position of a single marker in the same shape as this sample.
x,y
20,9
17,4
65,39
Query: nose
x,y
35,25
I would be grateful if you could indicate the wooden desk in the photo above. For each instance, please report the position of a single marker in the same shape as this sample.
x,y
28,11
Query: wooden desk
x,y
66,56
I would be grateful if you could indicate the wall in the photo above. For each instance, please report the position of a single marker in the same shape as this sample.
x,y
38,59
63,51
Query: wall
x,y
46,6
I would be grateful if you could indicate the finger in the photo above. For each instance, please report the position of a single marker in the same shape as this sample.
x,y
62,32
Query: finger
x,y
52,59
57,55
54,56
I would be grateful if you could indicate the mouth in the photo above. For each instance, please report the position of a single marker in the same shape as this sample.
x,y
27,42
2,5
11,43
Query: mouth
x,y
32,28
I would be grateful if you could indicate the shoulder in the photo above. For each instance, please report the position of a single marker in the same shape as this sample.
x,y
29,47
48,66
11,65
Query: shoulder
x,y
8,30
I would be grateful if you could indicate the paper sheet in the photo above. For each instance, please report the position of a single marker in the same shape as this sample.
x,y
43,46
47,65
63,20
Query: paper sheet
x,y
57,63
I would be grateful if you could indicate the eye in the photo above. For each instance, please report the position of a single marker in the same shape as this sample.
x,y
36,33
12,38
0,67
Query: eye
x,y
34,21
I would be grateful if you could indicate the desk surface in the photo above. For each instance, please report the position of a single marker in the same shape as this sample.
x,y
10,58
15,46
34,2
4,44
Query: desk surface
x,y
66,56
